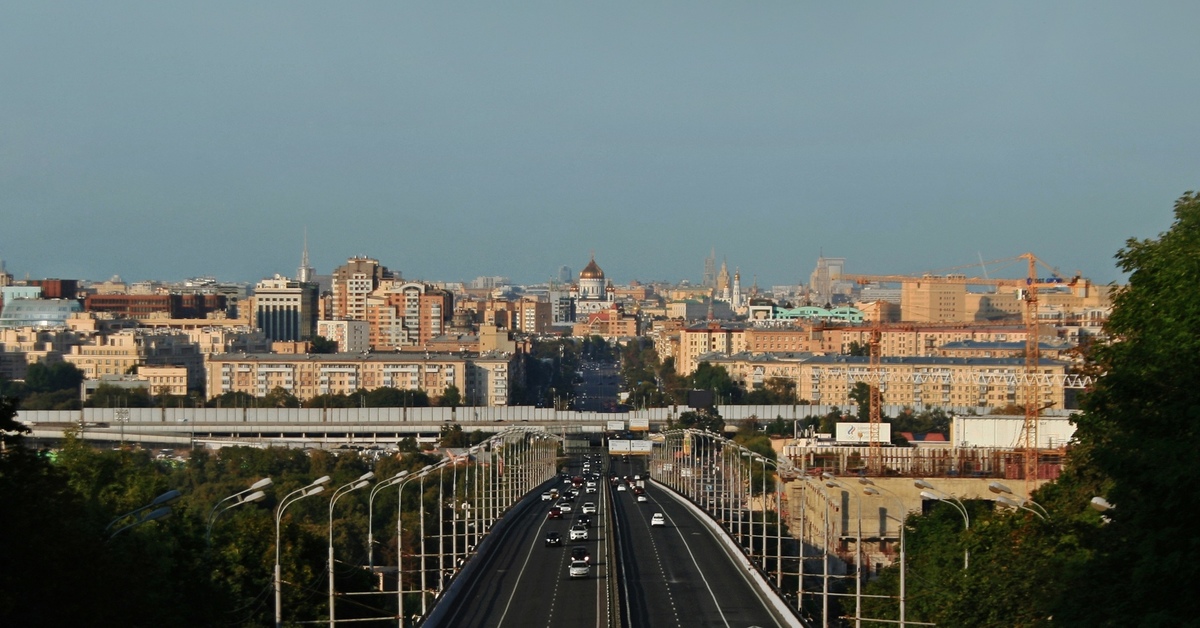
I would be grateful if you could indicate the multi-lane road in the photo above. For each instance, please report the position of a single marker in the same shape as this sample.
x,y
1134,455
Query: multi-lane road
x,y
677,574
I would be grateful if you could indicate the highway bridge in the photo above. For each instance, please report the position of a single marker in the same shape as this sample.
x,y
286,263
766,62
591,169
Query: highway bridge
x,y
682,573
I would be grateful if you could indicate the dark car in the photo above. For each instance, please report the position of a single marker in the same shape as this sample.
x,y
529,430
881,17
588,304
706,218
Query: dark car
x,y
554,513
580,552
584,520
553,539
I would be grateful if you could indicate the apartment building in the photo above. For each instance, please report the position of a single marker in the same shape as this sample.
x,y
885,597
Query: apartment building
x,y
350,336
141,307
609,324
285,309
911,381
482,379
352,283
116,354
707,338
407,315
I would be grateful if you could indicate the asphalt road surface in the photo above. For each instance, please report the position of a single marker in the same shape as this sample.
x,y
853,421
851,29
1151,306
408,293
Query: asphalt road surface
x,y
678,574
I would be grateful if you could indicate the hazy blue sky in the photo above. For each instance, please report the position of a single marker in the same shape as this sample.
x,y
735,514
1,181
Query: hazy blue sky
x,y
449,140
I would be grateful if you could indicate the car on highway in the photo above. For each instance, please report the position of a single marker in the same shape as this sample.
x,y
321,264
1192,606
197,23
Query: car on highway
x,y
657,519
590,489
580,552
579,532
580,569
555,513
642,498
621,487
546,496
589,508
553,539
564,506
584,520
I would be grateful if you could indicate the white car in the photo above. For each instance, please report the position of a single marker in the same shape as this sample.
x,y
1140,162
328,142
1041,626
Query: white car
x,y
564,506
657,519
547,496
588,508
642,498
621,487
579,532
579,569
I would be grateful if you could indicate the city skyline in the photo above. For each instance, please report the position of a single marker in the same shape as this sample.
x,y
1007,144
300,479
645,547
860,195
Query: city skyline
x,y
166,142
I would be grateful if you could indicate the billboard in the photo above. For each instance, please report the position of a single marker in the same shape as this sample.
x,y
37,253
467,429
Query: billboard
x,y
618,446
616,426
640,446
639,425
861,433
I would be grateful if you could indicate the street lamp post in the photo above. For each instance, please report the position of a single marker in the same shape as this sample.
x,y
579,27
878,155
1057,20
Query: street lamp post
x,y
1004,495
400,541
871,489
857,555
315,488
157,509
392,481
362,481
932,493
255,494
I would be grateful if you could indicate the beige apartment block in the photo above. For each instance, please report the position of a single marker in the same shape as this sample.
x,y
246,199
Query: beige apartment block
x,y
989,382
933,300
707,338
116,354
165,380
482,380
609,324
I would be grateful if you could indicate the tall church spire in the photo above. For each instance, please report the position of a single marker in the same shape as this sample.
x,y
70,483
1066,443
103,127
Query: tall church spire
x,y
305,273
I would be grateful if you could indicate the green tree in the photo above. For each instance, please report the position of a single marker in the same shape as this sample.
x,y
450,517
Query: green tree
x,y
109,396
716,379
451,397
321,344
1140,430
44,378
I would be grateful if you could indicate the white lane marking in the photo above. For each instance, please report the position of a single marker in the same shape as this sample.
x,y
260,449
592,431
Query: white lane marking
x,y
698,569
521,573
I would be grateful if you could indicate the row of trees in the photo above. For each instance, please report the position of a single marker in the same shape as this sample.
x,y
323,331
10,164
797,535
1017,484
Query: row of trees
x,y
59,566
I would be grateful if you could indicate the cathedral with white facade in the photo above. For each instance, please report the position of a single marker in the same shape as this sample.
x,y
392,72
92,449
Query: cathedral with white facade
x,y
593,293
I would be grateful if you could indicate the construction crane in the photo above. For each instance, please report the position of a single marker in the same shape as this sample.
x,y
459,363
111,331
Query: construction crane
x,y
1027,291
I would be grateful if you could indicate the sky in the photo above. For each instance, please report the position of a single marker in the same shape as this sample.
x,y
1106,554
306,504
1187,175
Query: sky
x,y
451,140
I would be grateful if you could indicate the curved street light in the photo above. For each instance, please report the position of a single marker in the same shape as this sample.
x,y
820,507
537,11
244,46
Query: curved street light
x,y
1008,498
362,481
255,494
317,486
933,493
870,488
158,508
392,481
